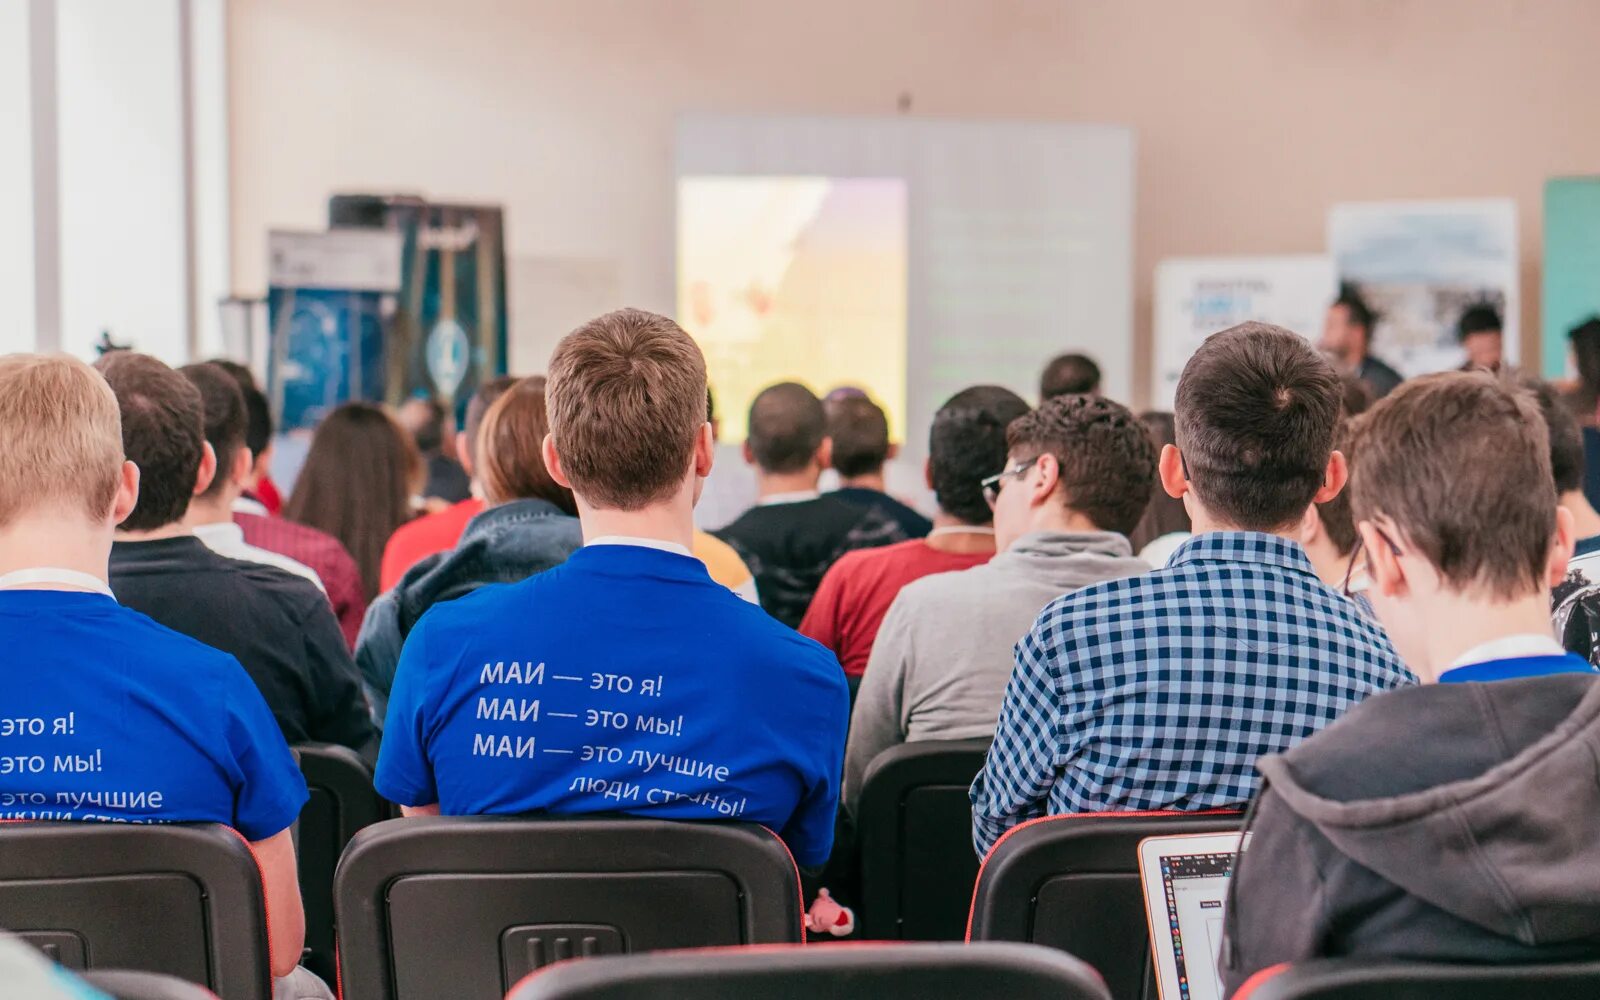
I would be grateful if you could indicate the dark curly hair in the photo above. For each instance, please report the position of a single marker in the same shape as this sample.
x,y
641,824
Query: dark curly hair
x,y
966,445
1108,465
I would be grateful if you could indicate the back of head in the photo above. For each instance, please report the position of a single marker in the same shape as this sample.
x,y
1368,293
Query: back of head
x,y
1478,319
258,413
1166,514
226,422
626,397
787,426
356,483
1069,374
478,405
1566,440
1585,341
967,444
63,439
860,433
1256,411
511,448
1460,463
1356,396
1107,463
1356,309
163,433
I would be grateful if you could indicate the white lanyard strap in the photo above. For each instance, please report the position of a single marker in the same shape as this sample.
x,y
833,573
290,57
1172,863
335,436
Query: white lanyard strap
x,y
30,579
961,529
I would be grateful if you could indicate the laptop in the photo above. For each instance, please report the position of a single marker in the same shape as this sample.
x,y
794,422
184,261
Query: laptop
x,y
1185,882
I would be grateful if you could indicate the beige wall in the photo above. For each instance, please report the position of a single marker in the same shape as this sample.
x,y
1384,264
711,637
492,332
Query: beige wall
x,y
1251,116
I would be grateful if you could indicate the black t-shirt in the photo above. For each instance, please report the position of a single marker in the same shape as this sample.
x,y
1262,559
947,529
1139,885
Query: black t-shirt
x,y
789,546
911,522
277,625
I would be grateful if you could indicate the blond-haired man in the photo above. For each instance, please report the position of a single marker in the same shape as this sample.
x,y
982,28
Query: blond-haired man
x,y
170,730
626,678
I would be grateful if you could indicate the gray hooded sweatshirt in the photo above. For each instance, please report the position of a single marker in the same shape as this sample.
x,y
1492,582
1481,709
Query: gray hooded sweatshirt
x,y
943,654
1451,823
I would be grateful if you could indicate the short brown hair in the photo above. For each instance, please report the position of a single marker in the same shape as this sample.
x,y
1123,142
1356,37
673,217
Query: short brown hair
x,y
1069,375
860,433
1566,440
62,434
226,421
786,427
1108,465
1256,411
510,448
163,433
626,398
1460,462
479,405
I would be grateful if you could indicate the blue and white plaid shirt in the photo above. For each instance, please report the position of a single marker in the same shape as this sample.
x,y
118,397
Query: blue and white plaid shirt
x,y
1160,691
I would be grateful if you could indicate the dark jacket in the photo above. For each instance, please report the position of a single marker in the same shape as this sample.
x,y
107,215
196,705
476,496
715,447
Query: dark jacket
x,y
1452,823
1379,376
502,544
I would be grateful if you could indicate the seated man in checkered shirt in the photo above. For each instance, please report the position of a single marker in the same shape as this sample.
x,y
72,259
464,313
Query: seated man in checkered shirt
x,y
1160,691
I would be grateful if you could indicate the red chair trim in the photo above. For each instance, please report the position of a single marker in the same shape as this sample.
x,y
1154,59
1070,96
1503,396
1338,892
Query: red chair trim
x,y
1254,982
799,884
972,908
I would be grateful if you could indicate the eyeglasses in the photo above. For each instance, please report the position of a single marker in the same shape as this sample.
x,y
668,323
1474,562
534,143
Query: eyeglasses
x,y
1361,550
991,486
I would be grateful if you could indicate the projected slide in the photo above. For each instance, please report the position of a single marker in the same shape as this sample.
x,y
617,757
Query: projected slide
x,y
799,278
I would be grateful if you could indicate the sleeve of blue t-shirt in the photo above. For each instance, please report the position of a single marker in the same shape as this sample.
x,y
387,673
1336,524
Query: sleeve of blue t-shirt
x,y
809,832
270,791
404,776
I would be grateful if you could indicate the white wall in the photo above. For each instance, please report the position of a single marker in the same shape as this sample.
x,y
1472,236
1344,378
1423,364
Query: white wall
x,y
1251,117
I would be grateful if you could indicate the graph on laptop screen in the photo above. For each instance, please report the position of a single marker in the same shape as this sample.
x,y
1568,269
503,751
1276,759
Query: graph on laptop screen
x,y
1195,887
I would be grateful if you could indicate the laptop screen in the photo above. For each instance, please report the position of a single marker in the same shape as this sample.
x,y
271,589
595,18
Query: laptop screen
x,y
1195,887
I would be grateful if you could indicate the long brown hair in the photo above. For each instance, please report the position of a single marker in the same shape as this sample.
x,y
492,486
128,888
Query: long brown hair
x,y
510,449
357,483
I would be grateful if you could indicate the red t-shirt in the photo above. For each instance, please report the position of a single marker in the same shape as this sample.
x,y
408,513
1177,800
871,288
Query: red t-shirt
x,y
858,589
415,541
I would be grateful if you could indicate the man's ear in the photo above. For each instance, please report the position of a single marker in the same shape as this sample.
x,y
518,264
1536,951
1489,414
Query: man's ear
x,y
552,462
1170,467
241,472
825,453
705,450
1049,474
749,453
127,496
927,472
1561,547
1333,478
464,453
894,452
208,468
1387,573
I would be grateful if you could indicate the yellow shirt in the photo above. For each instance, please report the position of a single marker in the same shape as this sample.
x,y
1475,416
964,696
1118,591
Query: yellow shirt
x,y
725,565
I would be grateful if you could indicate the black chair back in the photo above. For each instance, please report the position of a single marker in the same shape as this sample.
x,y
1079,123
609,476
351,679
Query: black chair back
x,y
180,899
120,984
466,906
879,971
914,823
1364,979
342,801
1072,882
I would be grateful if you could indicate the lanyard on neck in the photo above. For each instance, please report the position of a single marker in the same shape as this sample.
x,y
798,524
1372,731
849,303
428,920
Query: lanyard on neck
x,y
30,579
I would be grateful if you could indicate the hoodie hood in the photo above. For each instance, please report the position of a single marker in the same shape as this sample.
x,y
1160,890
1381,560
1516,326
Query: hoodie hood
x,y
1069,560
1481,799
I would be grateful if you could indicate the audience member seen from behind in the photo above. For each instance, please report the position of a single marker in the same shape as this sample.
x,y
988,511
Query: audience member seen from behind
x,y
1347,338
1160,691
210,514
1481,338
261,493
1451,822
1575,600
529,526
727,714
859,430
324,554
793,534
440,531
1074,483
966,443
1165,524
154,711
433,430
277,625
1069,375
357,483
1328,534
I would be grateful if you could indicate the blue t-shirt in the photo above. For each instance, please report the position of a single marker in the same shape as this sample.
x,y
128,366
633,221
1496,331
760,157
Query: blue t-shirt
x,y
106,715
1517,666
626,680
